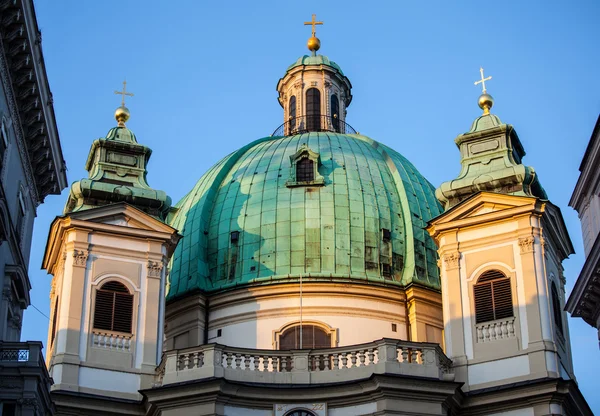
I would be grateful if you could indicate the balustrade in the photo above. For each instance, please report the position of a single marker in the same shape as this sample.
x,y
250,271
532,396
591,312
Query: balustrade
x,y
112,341
304,366
495,330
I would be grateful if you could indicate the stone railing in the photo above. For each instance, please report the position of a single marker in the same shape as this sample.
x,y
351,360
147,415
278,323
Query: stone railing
x,y
304,366
495,330
111,340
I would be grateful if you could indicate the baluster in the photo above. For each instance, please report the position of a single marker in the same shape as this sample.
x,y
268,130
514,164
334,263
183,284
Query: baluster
x,y
344,360
353,358
128,344
119,343
362,357
238,361
195,359
256,362
499,330
479,334
404,354
326,359
414,356
267,362
229,358
504,329
95,339
486,333
511,328
336,361
371,356
246,361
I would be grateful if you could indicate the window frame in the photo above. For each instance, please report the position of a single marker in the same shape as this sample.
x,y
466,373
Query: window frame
x,y
304,152
494,299
132,295
332,332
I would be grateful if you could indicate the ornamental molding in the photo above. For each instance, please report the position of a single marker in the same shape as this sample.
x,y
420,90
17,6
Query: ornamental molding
x,y
526,244
154,268
80,258
298,84
18,127
451,260
28,402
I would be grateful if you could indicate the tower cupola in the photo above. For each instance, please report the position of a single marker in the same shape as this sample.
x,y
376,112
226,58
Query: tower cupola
x,y
314,93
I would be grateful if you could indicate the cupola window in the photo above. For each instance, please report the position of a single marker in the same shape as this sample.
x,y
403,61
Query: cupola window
x,y
493,297
292,114
305,170
335,113
313,109
114,308
312,337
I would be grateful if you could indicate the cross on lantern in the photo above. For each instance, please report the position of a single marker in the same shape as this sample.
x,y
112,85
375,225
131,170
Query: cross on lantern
x,y
482,80
124,93
313,22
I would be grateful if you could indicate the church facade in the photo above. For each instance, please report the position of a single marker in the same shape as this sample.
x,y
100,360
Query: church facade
x,y
312,272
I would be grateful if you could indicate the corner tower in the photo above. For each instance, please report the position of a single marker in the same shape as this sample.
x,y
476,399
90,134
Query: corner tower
x,y
314,93
107,254
501,244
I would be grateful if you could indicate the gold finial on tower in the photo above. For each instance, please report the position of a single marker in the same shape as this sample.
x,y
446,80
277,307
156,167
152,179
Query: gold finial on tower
x,y
314,43
485,100
122,113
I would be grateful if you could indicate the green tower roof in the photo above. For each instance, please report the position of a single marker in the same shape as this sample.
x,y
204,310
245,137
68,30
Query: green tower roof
x,y
315,60
244,223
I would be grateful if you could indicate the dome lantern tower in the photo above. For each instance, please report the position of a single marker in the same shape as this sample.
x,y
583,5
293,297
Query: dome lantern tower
x,y
314,93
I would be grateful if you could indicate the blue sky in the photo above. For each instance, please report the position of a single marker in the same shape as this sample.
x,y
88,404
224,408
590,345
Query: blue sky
x,y
204,81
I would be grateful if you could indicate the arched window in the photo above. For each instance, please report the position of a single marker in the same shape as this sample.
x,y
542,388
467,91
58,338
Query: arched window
x,y
305,170
292,114
313,109
335,113
312,337
493,297
114,308
556,308
299,412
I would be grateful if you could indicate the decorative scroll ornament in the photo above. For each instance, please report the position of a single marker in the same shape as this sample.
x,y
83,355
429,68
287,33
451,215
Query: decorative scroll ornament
x,y
526,244
451,260
80,258
154,268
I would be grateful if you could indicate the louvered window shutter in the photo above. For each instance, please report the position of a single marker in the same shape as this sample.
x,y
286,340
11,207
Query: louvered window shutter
x,y
493,297
114,308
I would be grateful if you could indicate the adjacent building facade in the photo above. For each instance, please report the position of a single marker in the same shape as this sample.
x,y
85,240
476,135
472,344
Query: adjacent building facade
x,y
312,272
584,301
31,167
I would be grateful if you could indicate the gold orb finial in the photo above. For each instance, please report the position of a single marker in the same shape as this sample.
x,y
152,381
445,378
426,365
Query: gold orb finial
x,y
314,44
485,102
122,115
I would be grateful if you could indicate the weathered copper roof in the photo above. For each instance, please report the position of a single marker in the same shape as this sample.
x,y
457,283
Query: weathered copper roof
x,y
242,225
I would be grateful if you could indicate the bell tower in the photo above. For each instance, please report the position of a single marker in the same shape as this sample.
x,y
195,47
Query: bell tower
x,y
501,244
108,254
314,93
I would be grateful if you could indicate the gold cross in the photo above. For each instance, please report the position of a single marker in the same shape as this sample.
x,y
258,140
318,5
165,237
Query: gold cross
x,y
124,93
313,23
482,80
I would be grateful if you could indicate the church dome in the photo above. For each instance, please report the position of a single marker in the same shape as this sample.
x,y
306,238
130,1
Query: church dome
x,y
315,60
255,218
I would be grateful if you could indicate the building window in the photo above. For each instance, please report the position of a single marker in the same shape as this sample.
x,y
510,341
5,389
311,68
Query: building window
x,y
19,223
54,319
556,309
305,170
313,109
335,113
292,114
312,337
3,144
300,412
114,308
493,297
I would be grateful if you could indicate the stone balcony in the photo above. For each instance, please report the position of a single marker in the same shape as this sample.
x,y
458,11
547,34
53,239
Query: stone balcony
x,y
343,364
24,381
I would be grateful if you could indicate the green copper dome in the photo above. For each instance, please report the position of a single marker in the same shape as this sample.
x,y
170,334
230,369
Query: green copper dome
x,y
246,222
315,60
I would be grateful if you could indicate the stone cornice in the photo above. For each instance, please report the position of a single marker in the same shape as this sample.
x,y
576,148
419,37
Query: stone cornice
x,y
589,177
23,74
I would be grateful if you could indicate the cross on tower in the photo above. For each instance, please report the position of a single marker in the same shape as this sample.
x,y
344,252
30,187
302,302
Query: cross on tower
x,y
124,93
313,23
482,80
